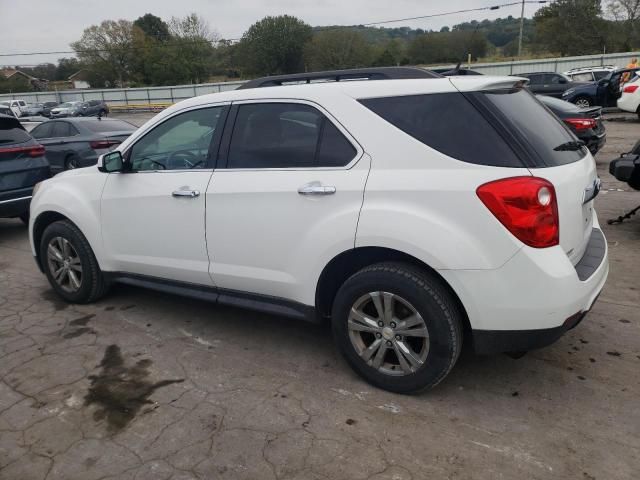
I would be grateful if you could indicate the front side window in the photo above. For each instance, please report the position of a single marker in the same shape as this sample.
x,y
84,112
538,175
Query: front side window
x,y
179,143
42,131
286,135
61,129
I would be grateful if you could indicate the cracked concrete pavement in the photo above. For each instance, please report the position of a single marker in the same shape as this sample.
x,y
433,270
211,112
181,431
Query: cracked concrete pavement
x,y
142,385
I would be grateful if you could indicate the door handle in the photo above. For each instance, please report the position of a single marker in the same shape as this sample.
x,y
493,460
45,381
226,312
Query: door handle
x,y
316,189
185,193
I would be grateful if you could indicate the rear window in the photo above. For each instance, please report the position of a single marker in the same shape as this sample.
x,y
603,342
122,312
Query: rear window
x,y
109,126
11,133
448,123
534,126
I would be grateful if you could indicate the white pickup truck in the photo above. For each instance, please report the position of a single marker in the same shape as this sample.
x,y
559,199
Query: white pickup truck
x,y
18,107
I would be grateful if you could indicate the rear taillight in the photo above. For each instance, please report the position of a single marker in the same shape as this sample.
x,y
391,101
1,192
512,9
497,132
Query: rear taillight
x,y
526,206
104,143
581,124
630,88
32,151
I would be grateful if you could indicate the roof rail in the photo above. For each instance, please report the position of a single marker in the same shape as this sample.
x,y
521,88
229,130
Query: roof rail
x,y
383,73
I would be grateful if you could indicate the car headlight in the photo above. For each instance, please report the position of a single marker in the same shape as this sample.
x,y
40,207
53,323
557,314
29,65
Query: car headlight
x,y
568,92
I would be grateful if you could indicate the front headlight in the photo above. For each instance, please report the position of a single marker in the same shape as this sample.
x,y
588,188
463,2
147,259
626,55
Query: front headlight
x,y
568,92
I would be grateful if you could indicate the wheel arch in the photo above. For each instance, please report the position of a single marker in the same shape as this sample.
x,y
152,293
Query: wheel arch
x,y
345,264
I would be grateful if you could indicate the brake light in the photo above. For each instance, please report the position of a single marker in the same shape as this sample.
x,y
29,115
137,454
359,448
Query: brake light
x,y
630,88
104,143
581,124
526,206
32,151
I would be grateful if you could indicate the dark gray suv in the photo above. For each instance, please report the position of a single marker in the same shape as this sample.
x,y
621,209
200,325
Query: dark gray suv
x,y
94,108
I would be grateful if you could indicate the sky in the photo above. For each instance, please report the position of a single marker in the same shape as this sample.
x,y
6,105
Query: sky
x,y
51,25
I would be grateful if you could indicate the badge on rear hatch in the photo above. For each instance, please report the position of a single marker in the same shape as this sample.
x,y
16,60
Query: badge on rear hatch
x,y
591,191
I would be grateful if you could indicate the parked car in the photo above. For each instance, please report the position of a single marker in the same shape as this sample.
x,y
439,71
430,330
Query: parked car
x,y
585,123
77,142
589,74
66,109
19,107
416,214
42,108
547,83
96,108
605,92
22,165
629,100
6,110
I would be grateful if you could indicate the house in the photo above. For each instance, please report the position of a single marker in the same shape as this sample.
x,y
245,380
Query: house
x,y
22,81
80,79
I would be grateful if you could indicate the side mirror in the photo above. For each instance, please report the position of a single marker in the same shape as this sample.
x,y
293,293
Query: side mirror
x,y
110,162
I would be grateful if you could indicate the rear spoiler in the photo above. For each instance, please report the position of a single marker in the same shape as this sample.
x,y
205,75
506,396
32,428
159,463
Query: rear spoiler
x,y
483,82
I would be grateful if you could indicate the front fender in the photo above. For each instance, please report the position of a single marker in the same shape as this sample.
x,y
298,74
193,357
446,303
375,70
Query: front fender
x,y
75,195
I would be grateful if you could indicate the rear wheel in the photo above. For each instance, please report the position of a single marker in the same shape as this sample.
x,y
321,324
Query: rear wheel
x,y
582,102
397,326
71,162
69,263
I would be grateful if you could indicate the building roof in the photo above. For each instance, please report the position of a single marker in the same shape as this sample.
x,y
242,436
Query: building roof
x,y
11,72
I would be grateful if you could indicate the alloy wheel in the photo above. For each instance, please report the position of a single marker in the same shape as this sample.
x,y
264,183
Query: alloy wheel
x,y
388,333
64,264
583,103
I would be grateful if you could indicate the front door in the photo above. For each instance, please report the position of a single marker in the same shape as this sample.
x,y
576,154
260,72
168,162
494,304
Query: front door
x,y
290,187
153,216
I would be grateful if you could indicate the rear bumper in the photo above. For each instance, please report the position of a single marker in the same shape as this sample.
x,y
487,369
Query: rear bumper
x,y
15,203
534,298
628,103
595,142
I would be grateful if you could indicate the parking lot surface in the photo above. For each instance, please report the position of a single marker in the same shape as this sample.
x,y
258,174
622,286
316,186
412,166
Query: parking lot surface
x,y
143,385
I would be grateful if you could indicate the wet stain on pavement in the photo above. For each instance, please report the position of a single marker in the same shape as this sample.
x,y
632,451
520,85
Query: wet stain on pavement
x,y
79,327
52,297
120,391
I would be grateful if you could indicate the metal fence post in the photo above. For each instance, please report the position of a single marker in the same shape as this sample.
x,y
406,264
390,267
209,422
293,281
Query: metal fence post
x,y
171,93
126,100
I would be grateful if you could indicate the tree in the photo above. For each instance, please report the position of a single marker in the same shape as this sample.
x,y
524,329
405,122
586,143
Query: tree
x,y
66,68
571,27
153,27
338,49
274,45
449,47
626,12
107,51
192,47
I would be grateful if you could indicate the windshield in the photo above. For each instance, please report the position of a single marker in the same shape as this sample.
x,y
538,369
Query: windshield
x,y
536,127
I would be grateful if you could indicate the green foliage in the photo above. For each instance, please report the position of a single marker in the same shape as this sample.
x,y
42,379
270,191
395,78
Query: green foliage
x,y
274,45
153,27
338,49
17,83
447,47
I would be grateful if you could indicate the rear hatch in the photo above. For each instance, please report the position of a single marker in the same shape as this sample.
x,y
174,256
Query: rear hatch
x,y
22,160
549,150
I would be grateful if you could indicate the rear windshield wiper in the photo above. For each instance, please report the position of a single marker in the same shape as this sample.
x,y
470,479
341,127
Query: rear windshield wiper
x,y
570,146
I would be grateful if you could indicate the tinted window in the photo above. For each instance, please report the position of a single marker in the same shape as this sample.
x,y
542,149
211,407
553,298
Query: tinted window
x,y
449,123
109,126
11,133
601,74
554,79
181,142
42,131
535,126
335,149
60,129
286,135
535,79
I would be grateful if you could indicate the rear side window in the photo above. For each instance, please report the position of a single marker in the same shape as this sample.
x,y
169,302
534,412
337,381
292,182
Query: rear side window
x,y
448,123
10,134
541,132
286,135
61,129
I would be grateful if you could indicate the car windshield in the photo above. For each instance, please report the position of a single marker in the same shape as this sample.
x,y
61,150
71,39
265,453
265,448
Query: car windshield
x,y
109,126
66,105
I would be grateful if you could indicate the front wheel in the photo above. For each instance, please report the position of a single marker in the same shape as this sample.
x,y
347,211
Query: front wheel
x,y
70,265
398,327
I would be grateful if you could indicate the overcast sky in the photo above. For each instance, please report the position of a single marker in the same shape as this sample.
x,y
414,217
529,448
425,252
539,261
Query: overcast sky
x,y
50,25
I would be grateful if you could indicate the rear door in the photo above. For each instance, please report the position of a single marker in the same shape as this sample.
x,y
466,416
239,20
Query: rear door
x,y
290,178
551,154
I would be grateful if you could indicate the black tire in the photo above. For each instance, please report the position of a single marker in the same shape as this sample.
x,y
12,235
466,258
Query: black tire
x,y
102,113
587,100
429,297
25,218
71,162
92,284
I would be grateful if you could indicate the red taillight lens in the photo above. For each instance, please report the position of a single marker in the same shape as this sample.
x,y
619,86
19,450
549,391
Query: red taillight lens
x,y
581,124
103,143
32,151
526,206
630,88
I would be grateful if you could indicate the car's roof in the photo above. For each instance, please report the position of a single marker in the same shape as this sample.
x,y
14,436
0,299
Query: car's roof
x,y
597,67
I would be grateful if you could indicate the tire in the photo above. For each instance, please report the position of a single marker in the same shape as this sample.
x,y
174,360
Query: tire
x,y
92,284
25,218
410,290
71,162
582,102
102,113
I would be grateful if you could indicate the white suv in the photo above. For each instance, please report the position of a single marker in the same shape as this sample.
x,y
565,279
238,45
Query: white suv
x,y
414,213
